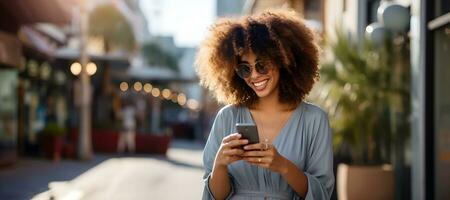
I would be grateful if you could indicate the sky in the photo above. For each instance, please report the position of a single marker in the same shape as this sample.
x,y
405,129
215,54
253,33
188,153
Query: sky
x,y
186,20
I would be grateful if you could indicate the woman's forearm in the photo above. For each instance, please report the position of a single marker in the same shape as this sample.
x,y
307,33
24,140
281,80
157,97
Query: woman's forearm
x,y
296,179
219,182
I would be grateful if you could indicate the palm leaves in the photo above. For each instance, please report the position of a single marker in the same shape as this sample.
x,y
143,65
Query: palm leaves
x,y
107,22
361,91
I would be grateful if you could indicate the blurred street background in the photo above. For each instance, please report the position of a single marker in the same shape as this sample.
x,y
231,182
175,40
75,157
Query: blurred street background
x,y
73,73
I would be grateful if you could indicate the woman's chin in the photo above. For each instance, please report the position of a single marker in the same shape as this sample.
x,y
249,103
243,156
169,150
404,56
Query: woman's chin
x,y
262,93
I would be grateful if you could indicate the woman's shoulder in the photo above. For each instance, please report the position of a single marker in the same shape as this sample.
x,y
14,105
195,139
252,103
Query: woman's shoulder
x,y
228,111
313,112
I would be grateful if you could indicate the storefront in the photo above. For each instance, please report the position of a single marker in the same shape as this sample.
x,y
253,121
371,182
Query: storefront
x,y
430,50
10,51
23,66
43,92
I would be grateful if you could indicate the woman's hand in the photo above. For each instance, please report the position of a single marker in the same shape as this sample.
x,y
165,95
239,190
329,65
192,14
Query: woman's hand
x,y
230,150
266,156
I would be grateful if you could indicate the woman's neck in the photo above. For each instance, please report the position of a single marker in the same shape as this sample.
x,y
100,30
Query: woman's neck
x,y
270,103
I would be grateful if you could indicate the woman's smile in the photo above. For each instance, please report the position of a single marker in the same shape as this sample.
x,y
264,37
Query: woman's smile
x,y
260,85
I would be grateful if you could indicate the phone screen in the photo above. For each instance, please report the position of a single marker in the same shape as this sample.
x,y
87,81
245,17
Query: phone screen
x,y
249,132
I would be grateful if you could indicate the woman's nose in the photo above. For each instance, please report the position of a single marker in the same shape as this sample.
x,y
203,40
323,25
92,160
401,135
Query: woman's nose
x,y
254,74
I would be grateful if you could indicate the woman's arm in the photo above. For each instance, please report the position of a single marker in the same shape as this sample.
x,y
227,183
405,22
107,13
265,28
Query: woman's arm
x,y
229,152
295,178
220,150
219,182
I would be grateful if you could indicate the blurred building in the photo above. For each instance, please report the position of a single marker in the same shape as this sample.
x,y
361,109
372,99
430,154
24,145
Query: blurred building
x,y
164,65
226,8
312,10
430,46
352,16
132,11
430,50
26,65
429,35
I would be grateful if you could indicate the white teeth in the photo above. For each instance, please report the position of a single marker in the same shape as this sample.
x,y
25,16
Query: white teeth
x,y
260,83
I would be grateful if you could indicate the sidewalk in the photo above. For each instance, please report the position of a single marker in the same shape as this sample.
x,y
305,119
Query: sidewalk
x,y
177,176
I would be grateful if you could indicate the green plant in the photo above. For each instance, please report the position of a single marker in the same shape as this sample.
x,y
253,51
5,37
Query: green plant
x,y
107,22
365,90
53,129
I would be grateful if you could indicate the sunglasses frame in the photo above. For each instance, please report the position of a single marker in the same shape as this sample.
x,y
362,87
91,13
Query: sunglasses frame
x,y
259,66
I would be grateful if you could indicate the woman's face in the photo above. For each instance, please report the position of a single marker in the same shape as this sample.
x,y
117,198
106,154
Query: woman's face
x,y
264,84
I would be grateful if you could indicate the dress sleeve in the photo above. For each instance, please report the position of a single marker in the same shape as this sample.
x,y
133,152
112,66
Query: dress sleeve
x,y
319,165
209,154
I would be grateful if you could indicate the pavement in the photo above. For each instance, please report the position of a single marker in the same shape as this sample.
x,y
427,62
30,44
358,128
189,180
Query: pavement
x,y
176,176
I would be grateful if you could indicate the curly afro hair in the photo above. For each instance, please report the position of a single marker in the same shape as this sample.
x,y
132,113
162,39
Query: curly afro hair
x,y
279,36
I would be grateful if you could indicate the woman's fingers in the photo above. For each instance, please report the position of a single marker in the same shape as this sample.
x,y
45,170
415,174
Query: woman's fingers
x,y
255,153
233,136
234,158
236,143
261,161
257,146
233,152
230,150
256,160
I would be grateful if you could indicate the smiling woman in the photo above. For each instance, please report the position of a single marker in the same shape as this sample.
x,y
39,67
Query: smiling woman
x,y
263,66
281,39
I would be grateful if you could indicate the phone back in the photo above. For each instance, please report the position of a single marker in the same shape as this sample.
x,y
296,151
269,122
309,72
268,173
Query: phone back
x,y
249,132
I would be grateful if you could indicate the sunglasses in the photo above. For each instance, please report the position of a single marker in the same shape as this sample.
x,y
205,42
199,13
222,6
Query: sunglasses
x,y
244,70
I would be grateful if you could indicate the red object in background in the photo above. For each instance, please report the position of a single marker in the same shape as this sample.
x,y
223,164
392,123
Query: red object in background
x,y
53,146
153,144
8,158
104,140
71,145
69,150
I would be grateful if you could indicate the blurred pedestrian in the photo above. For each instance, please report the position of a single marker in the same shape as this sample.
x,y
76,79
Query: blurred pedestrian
x,y
128,131
263,66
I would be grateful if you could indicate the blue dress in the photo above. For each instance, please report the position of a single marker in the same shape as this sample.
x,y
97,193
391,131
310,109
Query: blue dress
x,y
305,140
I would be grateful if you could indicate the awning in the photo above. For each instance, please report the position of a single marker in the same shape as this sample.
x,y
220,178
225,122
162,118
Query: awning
x,y
52,31
155,73
35,11
10,50
151,73
68,53
36,41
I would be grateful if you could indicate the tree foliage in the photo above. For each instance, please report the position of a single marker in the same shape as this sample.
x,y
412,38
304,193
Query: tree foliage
x,y
366,92
107,22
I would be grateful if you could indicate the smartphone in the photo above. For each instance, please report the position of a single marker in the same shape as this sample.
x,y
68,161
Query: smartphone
x,y
249,132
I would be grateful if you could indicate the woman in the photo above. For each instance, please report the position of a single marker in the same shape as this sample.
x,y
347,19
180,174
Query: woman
x,y
128,133
263,66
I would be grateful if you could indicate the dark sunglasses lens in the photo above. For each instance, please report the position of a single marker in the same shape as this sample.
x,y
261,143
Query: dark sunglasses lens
x,y
243,70
261,68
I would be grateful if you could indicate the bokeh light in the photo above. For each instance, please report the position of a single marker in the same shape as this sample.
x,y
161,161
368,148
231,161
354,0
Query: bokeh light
x,y
91,68
124,86
75,68
148,87
137,86
155,92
